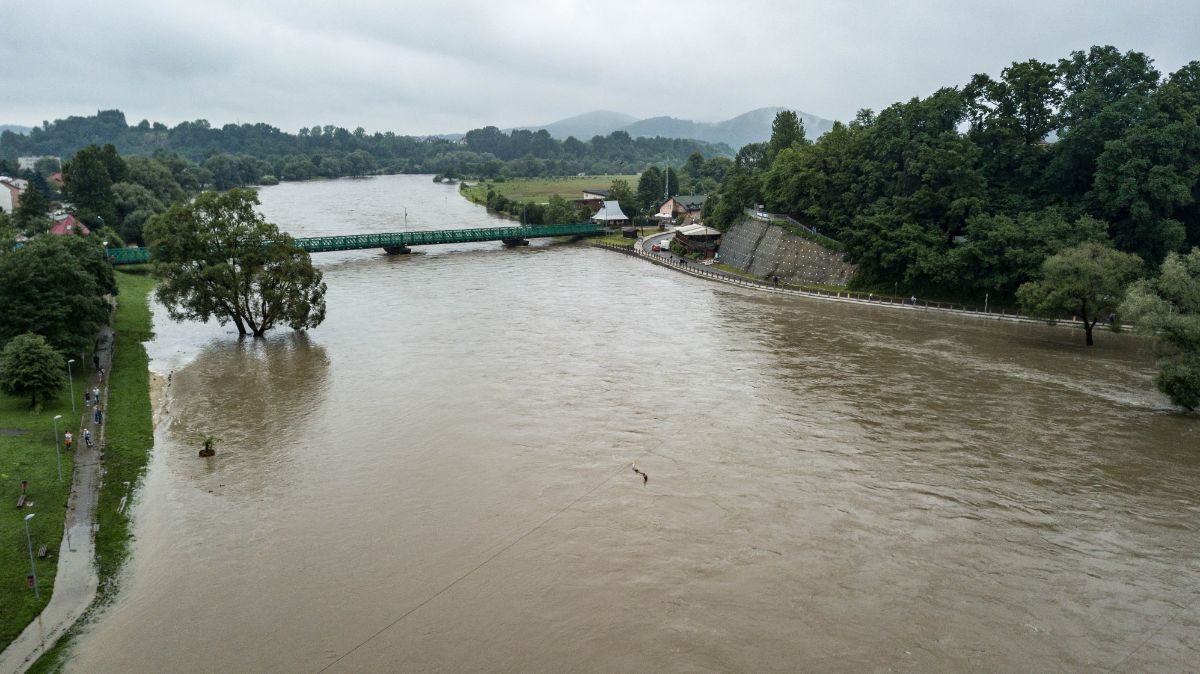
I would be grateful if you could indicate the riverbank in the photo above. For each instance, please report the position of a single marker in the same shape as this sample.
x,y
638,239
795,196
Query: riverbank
x,y
821,292
539,190
127,440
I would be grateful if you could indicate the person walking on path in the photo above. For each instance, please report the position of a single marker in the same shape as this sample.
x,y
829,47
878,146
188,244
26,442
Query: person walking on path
x,y
99,416
67,439
87,438
96,361
87,398
96,395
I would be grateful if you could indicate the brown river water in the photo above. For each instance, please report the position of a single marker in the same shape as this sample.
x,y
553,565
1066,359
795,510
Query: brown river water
x,y
438,478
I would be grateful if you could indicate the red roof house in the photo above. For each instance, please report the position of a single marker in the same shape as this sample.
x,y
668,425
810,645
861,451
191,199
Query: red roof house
x,y
67,225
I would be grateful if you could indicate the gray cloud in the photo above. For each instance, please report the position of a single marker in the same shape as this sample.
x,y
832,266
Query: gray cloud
x,y
423,67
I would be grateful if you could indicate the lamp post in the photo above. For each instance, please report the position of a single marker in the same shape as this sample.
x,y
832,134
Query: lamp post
x,y
32,566
57,450
71,380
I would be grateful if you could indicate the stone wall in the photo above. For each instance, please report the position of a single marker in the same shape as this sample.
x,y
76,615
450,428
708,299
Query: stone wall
x,y
765,250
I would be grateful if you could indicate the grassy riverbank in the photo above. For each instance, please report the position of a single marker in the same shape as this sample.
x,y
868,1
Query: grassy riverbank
x,y
129,436
539,190
27,453
130,432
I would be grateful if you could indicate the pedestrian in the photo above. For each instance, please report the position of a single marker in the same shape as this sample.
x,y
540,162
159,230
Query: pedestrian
x,y
96,395
99,417
914,300
775,280
67,439
101,374
95,361
87,398
87,438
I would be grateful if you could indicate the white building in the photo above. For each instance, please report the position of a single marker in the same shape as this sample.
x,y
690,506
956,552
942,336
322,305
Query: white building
x,y
10,193
611,215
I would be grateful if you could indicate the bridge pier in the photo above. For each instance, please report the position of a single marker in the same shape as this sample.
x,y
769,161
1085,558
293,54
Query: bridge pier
x,y
397,250
509,243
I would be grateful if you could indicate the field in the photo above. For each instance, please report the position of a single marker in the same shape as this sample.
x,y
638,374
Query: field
x,y
539,190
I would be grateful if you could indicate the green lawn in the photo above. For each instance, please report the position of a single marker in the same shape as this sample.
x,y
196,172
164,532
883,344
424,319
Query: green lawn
x,y
539,190
27,453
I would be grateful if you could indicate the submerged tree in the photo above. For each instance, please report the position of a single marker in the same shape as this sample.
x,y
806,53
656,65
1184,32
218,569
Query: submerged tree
x,y
1087,280
1168,307
218,258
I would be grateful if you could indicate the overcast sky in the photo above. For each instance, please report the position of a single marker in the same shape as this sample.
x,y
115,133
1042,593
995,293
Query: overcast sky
x,y
421,67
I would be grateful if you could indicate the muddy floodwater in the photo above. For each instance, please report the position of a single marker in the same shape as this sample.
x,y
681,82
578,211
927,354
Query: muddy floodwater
x,y
439,478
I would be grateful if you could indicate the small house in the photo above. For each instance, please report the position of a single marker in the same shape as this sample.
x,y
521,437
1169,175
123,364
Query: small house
x,y
689,206
698,239
611,215
65,224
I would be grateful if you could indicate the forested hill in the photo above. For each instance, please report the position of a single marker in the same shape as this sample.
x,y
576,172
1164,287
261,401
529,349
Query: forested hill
x,y
968,190
334,151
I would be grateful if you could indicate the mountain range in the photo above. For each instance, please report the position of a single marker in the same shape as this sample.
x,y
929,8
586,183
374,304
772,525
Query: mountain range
x,y
750,127
15,128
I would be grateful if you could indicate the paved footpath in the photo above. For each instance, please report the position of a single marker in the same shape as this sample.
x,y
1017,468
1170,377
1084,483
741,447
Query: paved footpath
x,y
76,581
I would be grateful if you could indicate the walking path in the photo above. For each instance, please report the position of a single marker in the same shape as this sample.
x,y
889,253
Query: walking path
x,y
703,271
75,581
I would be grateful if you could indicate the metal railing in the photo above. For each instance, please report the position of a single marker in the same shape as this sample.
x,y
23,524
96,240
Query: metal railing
x,y
957,308
323,244
798,228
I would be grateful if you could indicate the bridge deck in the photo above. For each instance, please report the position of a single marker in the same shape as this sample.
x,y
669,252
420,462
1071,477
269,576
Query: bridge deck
x,y
322,244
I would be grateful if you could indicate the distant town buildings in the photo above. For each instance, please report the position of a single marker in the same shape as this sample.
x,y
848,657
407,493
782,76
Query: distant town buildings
x,y
28,163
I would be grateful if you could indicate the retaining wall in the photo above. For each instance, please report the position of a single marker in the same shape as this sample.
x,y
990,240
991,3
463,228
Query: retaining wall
x,y
765,250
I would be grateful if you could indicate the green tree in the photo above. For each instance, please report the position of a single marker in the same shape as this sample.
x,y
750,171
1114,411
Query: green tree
x,y
32,215
1168,307
218,258
135,205
786,131
650,189
46,287
623,195
30,366
89,185
1087,281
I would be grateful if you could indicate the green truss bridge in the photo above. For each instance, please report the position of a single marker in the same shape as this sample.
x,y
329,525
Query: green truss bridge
x,y
399,242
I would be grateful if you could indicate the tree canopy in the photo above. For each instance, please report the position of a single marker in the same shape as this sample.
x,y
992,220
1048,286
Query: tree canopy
x,y
925,192
54,286
1168,307
1087,281
30,366
218,258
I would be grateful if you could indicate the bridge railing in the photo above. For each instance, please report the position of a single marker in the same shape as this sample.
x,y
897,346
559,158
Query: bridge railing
x,y
322,244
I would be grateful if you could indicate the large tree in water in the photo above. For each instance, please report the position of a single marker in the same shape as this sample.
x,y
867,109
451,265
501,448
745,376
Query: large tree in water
x,y
218,258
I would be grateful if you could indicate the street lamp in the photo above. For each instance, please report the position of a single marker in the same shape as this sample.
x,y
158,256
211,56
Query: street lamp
x,y
71,380
57,453
32,566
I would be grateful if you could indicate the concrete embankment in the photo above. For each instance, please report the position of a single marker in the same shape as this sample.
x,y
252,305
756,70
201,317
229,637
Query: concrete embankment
x,y
763,249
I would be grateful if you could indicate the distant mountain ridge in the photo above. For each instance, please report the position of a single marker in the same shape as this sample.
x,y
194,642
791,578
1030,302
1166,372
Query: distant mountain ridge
x,y
583,127
749,127
16,128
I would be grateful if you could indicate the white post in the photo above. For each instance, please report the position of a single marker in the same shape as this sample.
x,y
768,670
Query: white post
x,y
57,453
71,380
32,566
